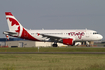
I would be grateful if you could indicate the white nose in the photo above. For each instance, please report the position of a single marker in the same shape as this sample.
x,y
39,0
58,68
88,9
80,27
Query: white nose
x,y
100,37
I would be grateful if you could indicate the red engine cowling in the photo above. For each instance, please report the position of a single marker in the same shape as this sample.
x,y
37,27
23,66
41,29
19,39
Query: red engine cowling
x,y
68,41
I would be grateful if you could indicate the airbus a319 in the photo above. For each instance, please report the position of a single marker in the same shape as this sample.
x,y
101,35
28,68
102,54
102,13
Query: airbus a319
x,y
67,37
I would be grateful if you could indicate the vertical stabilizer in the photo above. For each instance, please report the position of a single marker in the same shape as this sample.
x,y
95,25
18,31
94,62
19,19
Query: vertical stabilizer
x,y
13,24
16,29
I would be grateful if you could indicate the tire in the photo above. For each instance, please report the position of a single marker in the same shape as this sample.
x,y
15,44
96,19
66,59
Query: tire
x,y
55,45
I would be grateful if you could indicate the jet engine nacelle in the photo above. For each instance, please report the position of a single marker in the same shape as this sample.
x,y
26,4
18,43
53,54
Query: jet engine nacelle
x,y
68,41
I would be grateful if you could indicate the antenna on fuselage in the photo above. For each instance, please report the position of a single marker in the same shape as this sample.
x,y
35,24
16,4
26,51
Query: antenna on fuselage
x,y
85,29
42,28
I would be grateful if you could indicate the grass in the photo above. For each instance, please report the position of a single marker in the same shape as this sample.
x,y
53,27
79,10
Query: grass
x,y
52,62
51,49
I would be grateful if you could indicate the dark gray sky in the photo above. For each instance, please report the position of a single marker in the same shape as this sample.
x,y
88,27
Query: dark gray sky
x,y
55,14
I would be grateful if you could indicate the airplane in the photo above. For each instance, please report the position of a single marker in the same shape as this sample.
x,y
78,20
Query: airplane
x,y
66,36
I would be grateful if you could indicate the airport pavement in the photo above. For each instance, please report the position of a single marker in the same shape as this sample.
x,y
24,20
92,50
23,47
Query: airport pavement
x,y
52,52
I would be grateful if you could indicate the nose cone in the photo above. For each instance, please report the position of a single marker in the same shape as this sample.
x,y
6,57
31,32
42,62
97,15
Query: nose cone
x,y
100,37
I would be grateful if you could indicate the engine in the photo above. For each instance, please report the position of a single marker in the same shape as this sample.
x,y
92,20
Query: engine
x,y
68,41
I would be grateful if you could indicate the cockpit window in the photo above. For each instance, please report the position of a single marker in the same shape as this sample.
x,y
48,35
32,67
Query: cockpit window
x,y
95,33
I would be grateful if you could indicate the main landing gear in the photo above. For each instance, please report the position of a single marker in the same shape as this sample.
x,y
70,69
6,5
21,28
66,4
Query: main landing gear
x,y
55,44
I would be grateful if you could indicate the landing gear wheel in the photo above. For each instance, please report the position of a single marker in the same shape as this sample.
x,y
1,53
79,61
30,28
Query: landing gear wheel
x,y
54,45
87,45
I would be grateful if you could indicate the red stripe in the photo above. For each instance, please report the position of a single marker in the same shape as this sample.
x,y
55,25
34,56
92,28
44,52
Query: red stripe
x,y
8,13
26,35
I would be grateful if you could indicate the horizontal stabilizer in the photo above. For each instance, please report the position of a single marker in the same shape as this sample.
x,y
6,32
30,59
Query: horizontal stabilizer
x,y
10,33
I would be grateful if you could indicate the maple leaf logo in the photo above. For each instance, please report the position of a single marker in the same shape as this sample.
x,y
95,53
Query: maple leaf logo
x,y
13,25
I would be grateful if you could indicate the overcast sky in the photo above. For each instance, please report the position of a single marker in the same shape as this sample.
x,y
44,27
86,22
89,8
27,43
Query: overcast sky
x,y
55,14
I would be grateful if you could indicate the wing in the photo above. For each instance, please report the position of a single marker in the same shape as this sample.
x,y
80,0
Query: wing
x,y
52,37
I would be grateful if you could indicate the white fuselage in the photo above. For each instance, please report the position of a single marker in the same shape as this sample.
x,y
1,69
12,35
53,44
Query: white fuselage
x,y
76,35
